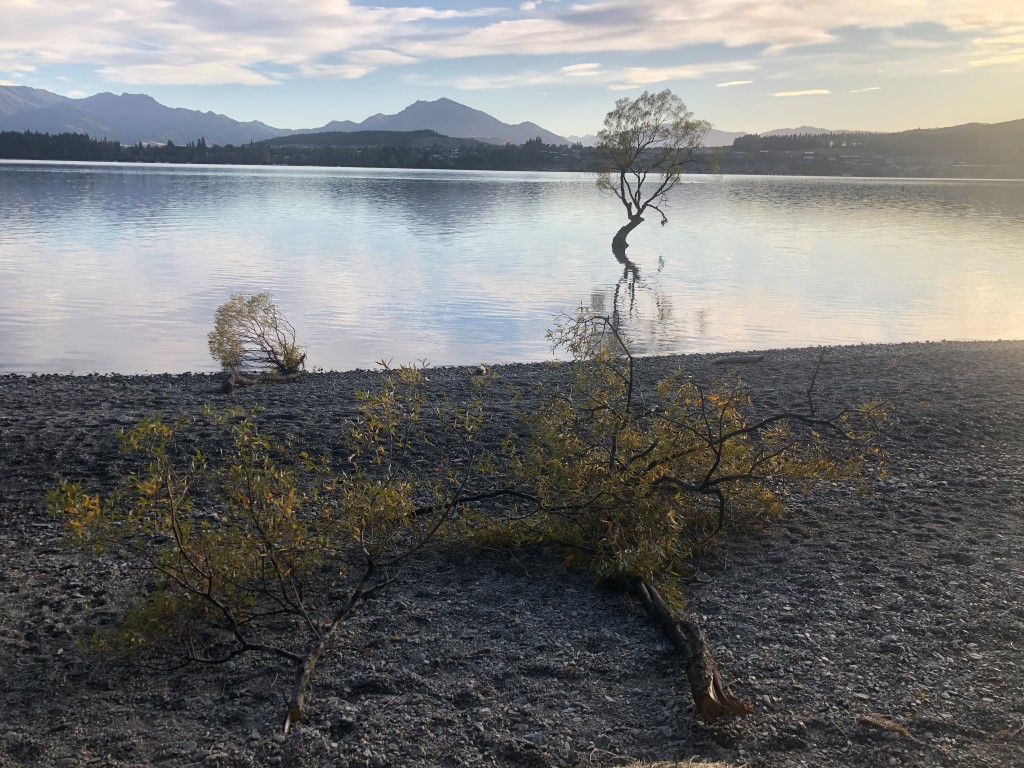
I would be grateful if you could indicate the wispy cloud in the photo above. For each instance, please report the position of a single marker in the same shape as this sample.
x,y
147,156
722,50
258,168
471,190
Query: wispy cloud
x,y
1006,47
621,79
813,92
633,77
865,90
734,83
207,73
1010,57
582,70
188,41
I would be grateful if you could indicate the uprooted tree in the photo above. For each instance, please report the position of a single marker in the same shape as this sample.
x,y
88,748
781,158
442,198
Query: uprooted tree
x,y
251,334
645,146
267,537
631,489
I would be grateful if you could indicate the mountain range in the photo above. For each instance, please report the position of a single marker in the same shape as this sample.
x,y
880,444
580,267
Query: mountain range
x,y
132,117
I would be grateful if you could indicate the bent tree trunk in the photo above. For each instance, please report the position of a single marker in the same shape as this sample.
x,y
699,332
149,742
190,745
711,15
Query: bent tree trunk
x,y
711,695
619,243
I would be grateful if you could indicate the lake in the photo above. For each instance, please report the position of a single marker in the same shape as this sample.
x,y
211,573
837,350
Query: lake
x,y
121,267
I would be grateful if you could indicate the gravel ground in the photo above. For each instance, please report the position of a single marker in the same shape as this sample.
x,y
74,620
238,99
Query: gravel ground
x,y
906,603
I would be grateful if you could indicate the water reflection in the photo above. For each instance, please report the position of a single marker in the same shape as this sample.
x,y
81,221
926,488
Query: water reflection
x,y
121,267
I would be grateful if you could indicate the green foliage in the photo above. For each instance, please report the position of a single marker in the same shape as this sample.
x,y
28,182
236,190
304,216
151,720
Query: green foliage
x,y
632,488
226,543
260,533
249,332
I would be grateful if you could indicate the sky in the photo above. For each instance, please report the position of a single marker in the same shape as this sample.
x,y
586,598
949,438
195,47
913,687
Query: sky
x,y
743,65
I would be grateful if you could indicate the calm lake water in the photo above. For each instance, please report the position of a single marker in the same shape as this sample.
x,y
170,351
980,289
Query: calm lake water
x,y
121,267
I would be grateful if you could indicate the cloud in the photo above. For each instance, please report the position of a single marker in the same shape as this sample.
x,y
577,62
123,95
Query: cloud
x,y
814,92
189,74
334,71
1010,57
632,77
238,42
895,41
379,58
582,70
622,79
197,42
865,90
1007,47
734,83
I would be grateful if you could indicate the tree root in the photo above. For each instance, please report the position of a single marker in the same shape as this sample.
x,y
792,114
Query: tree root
x,y
711,694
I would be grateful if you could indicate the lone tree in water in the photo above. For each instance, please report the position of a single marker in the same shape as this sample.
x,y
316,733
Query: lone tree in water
x,y
645,145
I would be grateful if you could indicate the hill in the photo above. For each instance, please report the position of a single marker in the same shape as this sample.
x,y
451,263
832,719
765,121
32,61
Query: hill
x,y
357,138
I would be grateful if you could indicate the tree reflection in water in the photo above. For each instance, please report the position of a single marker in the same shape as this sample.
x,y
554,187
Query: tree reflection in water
x,y
641,309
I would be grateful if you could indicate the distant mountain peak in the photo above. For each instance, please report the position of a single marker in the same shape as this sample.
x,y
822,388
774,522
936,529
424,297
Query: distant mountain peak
x,y
133,117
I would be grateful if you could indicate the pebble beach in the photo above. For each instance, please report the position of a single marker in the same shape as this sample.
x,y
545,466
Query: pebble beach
x,y
904,604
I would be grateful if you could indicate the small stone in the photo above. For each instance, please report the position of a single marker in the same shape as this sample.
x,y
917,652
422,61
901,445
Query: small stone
x,y
188,747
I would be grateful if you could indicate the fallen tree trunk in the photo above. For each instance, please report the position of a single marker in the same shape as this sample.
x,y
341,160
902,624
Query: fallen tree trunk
x,y
711,695
236,380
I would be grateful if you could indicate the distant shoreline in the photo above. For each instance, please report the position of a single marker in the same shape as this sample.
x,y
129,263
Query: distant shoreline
x,y
441,171
657,360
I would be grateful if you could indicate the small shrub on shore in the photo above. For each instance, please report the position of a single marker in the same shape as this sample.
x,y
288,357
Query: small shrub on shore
x,y
250,333
261,536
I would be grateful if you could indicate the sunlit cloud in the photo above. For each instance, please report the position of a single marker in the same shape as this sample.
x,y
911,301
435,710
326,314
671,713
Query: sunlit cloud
x,y
632,77
335,71
1010,57
628,78
864,90
582,70
142,41
814,92
734,83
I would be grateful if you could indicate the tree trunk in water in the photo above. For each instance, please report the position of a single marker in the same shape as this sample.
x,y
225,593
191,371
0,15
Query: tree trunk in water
x,y
619,243
711,695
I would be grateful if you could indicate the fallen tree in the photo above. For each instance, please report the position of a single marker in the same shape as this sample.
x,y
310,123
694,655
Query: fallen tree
x,y
632,489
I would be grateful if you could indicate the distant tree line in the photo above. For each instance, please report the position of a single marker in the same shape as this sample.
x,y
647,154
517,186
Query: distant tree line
x,y
400,151
999,144
801,141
